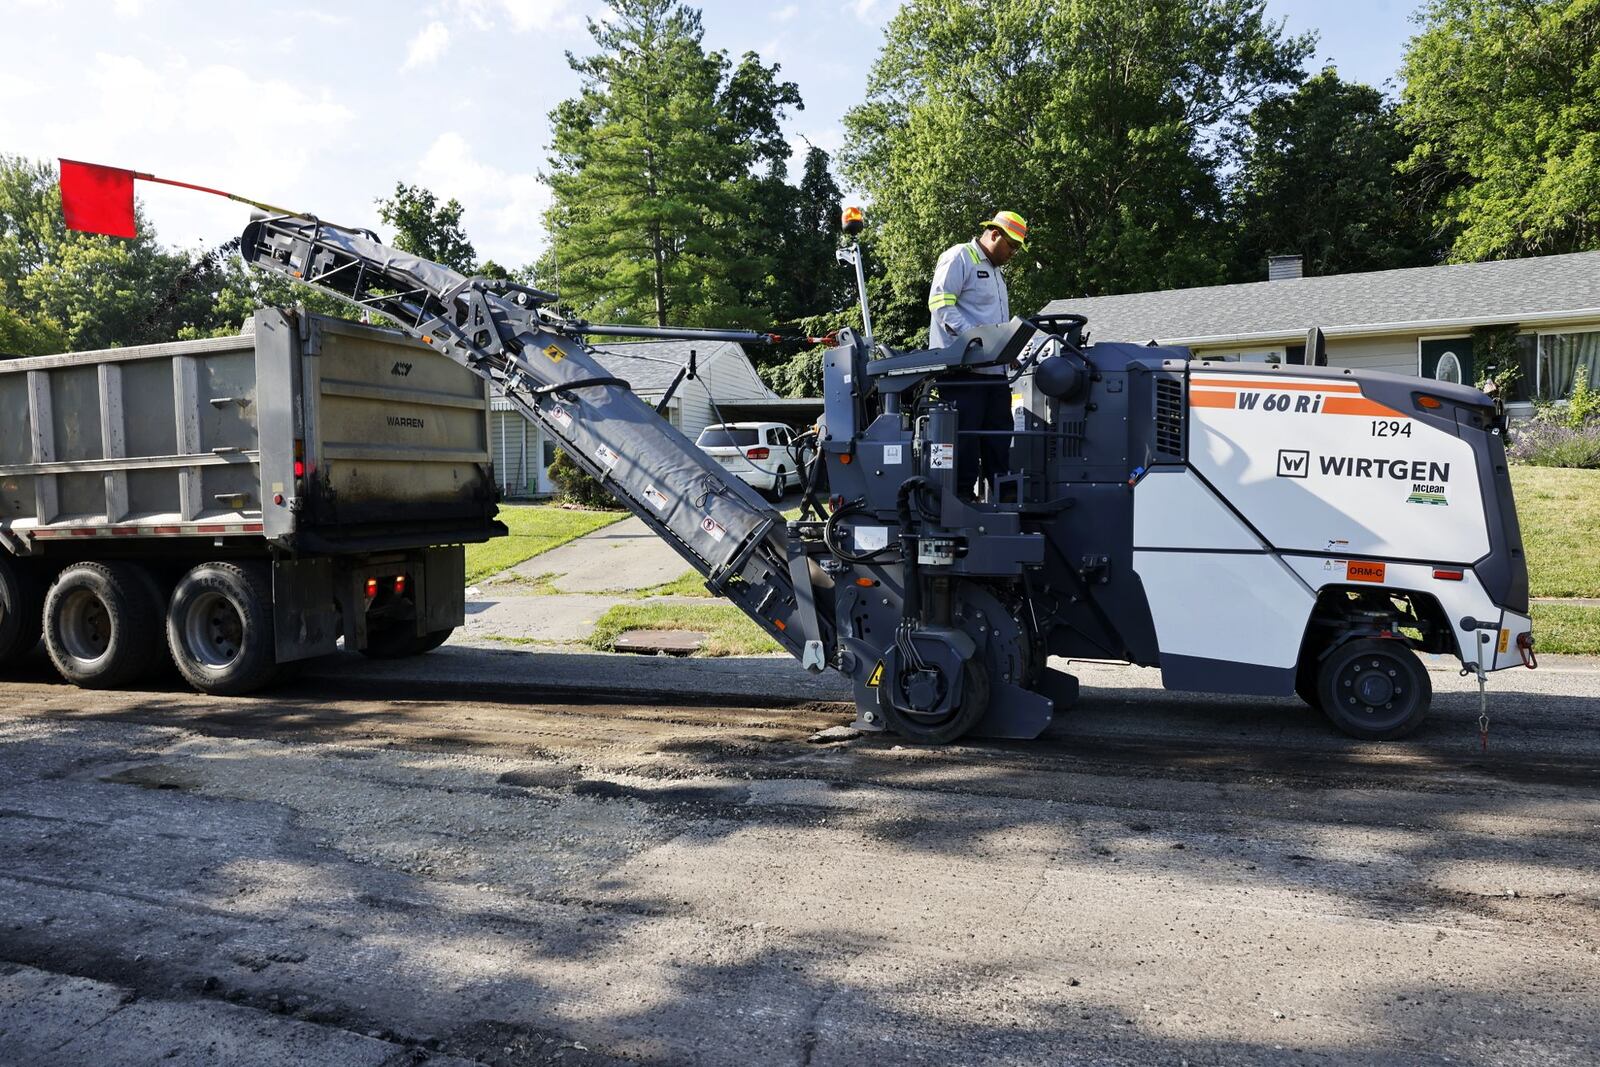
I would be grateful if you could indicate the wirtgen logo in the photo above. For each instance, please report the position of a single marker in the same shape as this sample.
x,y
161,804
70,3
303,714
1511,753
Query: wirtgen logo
x,y
1293,463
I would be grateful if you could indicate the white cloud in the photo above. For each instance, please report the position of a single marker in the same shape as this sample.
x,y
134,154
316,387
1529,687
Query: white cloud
x,y
785,13
427,46
214,125
528,15
872,12
129,9
504,210
523,15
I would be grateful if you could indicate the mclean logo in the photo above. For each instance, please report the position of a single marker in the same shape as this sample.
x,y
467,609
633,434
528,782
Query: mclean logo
x,y
400,370
1401,470
405,420
1293,463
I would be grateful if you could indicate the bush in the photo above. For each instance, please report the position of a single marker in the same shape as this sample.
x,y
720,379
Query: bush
x,y
575,486
1547,441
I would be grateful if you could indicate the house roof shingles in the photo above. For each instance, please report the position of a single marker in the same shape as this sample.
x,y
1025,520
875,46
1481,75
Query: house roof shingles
x,y
1507,290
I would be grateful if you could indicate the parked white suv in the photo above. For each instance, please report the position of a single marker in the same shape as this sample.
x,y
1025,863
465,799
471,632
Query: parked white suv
x,y
760,454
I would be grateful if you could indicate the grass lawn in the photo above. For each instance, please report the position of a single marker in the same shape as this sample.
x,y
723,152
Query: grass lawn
x,y
728,631
535,528
1569,628
1559,511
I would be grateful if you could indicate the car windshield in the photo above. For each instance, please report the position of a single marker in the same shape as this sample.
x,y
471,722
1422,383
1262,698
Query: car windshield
x,y
726,437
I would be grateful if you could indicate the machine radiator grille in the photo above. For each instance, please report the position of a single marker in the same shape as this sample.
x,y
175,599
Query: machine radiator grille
x,y
1071,438
1169,416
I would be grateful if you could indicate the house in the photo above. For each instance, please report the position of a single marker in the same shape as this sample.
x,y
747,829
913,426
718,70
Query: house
x,y
725,382
1414,321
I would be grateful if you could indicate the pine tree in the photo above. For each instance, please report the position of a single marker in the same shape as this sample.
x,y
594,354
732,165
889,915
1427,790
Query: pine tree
x,y
651,173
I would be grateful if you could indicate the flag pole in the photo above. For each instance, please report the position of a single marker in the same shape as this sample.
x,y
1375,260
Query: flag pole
x,y
216,192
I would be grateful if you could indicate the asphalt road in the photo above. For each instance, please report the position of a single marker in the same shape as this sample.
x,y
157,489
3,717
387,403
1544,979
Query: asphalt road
x,y
339,874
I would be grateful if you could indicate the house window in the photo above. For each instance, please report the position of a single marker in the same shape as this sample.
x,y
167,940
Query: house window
x,y
549,453
1560,356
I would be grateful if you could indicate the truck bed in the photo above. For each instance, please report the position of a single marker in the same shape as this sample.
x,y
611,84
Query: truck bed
x,y
201,438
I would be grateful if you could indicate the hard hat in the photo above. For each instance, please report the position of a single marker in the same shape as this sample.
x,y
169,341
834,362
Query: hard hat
x,y
1012,225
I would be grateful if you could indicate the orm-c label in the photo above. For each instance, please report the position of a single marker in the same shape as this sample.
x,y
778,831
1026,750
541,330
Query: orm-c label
x,y
1362,571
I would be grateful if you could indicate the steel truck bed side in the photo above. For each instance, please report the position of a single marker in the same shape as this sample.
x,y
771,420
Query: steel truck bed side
x,y
201,438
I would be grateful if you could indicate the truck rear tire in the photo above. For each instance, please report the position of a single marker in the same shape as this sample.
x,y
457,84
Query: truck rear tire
x,y
101,625
219,628
1375,689
397,640
21,610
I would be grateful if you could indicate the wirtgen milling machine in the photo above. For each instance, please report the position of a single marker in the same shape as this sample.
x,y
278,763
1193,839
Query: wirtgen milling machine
x,y
1247,529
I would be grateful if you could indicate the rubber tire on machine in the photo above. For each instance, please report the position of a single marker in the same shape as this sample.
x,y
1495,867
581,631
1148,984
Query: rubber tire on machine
x,y
1375,689
102,626
220,630
920,731
399,639
21,611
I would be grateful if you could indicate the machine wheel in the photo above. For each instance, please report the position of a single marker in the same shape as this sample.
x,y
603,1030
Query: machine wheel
x,y
102,626
397,640
21,610
219,628
923,729
1374,688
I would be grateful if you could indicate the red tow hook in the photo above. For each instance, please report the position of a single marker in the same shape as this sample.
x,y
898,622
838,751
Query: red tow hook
x,y
1525,650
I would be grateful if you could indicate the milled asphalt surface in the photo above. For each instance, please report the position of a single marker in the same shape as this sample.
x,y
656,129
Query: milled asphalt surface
x,y
535,854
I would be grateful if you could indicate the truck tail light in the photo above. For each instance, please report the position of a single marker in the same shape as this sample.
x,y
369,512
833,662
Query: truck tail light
x,y
1448,574
299,458
372,588
757,453
400,585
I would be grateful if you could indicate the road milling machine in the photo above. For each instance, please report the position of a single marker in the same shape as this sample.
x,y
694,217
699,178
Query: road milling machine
x,y
1245,528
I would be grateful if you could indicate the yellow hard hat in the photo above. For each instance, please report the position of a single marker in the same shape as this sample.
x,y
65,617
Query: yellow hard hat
x,y
1012,225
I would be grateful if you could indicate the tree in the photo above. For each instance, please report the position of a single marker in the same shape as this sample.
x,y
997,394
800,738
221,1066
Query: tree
x,y
1318,178
1101,121
1503,99
424,227
62,289
651,170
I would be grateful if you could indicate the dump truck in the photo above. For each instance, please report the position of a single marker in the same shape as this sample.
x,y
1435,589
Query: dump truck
x,y
1246,530
240,502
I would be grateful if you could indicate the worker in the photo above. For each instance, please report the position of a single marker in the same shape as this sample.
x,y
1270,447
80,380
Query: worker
x,y
969,291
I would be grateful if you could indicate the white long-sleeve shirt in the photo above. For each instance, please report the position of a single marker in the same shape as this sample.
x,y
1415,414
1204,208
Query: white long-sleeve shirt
x,y
967,291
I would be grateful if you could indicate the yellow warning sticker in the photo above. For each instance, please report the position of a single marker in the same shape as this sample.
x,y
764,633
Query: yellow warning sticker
x,y
1505,640
555,354
877,675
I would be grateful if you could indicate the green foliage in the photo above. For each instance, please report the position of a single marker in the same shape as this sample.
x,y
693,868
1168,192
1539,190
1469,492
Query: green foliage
x,y
1503,99
67,291
642,170
1498,353
671,201
1101,121
574,485
424,227
1583,404
1318,178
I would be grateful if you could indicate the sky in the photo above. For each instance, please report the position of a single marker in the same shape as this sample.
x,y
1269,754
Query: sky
x,y
323,109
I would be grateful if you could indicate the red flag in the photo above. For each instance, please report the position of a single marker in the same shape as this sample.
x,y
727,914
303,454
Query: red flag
x,y
97,199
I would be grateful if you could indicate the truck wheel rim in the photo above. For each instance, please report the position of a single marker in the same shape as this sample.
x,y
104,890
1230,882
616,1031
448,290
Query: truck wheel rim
x,y
213,630
1375,687
85,626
